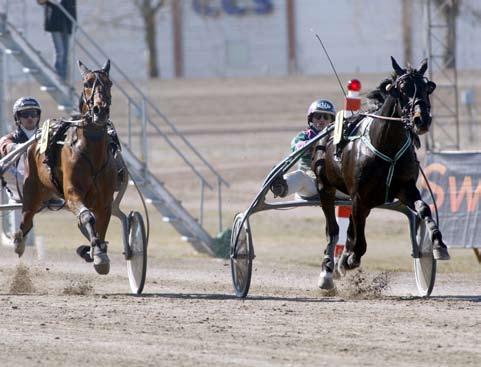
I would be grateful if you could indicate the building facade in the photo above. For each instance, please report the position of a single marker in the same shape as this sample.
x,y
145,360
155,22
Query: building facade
x,y
248,38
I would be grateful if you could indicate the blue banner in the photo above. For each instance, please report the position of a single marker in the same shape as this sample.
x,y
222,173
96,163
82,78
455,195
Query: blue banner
x,y
215,8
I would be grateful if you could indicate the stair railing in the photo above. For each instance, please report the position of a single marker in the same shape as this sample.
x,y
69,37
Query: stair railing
x,y
141,106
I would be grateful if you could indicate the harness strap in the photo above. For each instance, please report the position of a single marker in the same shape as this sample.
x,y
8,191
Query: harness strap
x,y
366,140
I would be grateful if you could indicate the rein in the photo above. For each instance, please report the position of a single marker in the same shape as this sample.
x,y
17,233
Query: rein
x,y
399,119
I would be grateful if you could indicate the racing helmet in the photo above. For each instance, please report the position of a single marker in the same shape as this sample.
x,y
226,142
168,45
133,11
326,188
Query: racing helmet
x,y
321,105
25,103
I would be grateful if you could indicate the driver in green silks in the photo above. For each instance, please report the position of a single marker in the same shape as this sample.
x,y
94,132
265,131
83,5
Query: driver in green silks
x,y
320,114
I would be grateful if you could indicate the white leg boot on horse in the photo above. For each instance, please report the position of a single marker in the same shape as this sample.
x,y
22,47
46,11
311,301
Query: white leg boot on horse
x,y
327,198
411,197
326,280
98,247
440,250
326,277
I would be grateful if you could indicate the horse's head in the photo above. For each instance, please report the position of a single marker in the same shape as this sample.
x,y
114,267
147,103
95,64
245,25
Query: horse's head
x,y
412,90
96,98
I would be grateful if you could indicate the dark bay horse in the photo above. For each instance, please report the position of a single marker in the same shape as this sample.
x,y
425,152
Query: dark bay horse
x,y
377,165
83,171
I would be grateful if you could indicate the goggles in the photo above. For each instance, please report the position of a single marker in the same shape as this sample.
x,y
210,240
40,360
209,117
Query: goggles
x,y
29,113
322,116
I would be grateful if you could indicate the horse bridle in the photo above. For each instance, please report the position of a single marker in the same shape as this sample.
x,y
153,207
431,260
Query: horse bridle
x,y
407,111
90,101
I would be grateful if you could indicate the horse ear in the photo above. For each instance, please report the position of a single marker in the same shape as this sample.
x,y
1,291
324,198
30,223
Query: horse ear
x,y
392,90
83,69
106,66
431,86
423,67
399,70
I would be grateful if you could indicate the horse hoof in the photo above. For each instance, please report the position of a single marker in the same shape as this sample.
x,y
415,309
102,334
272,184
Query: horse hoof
x,y
84,252
441,253
102,269
325,281
352,262
19,243
101,263
101,259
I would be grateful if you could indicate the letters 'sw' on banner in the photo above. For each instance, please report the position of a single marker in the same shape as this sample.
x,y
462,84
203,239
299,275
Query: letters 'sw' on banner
x,y
455,179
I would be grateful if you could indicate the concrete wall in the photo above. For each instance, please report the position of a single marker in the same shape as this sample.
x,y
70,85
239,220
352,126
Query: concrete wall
x,y
230,45
360,35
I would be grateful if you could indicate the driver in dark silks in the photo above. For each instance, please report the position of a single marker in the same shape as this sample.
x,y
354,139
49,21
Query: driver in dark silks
x,y
26,114
320,114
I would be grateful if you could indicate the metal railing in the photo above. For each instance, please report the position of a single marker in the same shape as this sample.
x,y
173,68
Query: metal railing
x,y
139,105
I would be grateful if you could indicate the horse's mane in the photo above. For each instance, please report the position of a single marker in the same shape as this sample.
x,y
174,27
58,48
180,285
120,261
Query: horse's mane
x,y
378,96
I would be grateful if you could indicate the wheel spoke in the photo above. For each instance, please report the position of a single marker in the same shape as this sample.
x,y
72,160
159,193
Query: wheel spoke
x,y
241,259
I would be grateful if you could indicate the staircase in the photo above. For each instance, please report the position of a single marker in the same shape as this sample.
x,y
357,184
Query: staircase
x,y
34,64
168,205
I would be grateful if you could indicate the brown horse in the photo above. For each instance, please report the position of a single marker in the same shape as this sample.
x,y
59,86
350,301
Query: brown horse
x,y
82,170
377,165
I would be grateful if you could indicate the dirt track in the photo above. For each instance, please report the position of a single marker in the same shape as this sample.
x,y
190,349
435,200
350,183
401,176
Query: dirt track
x,y
188,317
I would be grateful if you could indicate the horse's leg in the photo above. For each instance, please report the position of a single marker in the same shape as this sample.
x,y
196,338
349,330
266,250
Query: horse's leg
x,y
332,235
356,247
349,246
34,194
87,223
103,220
411,197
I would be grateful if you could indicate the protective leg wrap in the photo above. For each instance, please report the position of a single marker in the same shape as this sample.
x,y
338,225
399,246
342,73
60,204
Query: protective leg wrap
x,y
86,217
422,209
433,229
331,246
326,276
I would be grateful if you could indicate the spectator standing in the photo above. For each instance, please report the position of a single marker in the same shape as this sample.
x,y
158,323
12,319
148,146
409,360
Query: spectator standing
x,y
60,26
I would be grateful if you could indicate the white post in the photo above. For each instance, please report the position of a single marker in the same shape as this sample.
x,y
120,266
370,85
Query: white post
x,y
352,105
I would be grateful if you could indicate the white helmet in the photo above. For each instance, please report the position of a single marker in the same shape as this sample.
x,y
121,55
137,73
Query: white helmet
x,y
25,103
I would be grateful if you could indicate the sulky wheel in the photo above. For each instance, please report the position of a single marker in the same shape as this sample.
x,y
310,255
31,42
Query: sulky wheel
x,y
137,263
424,262
241,256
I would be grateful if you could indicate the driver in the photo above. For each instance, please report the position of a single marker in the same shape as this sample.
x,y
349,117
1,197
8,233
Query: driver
x,y
26,114
320,114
